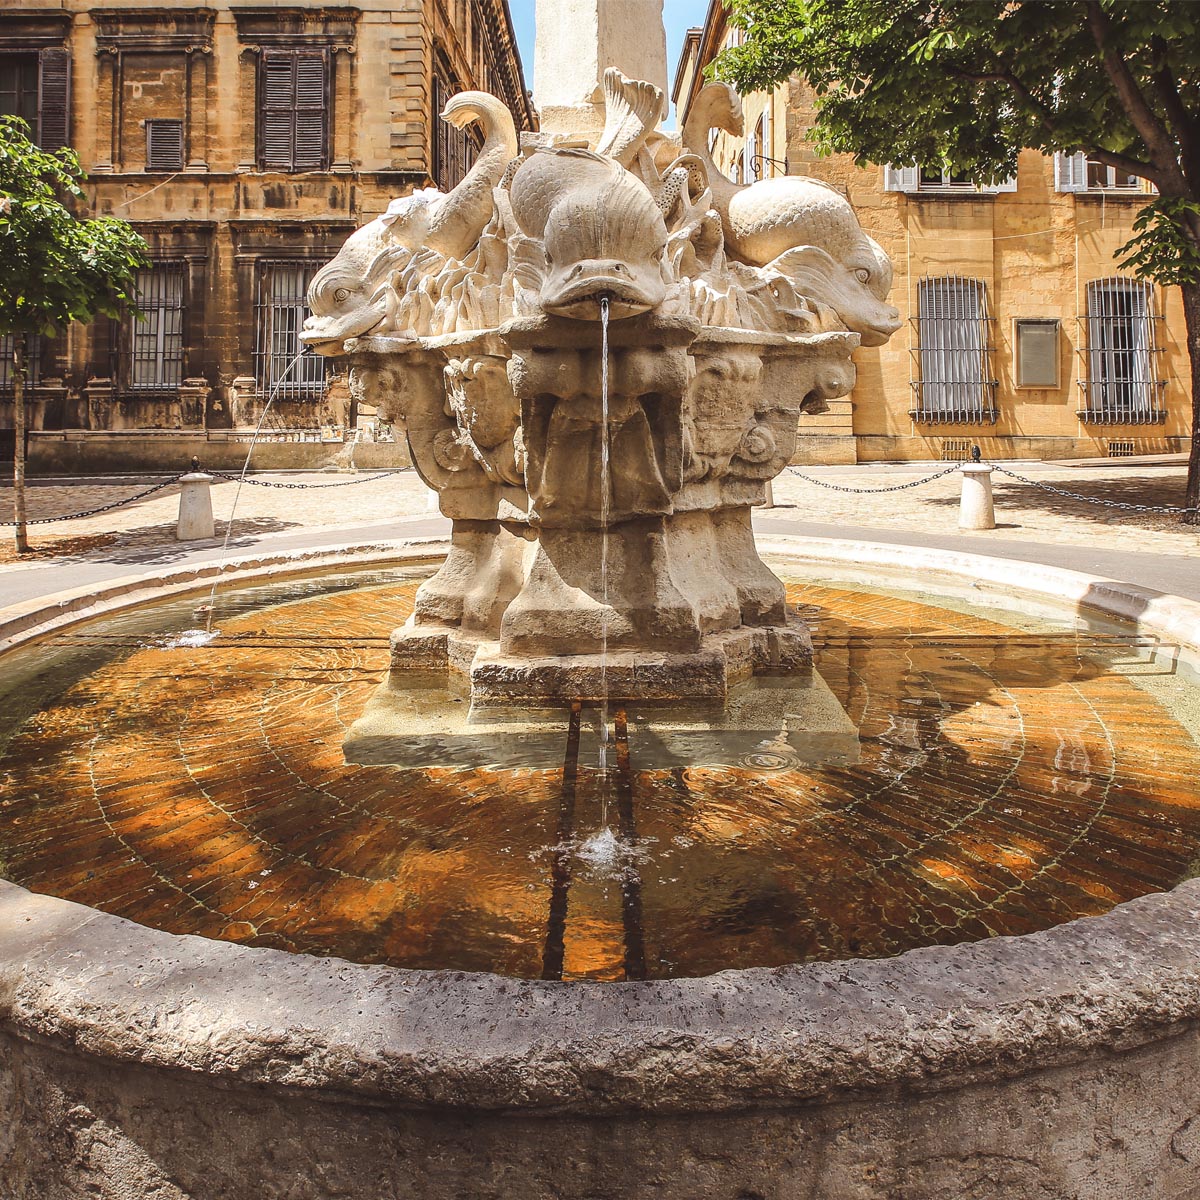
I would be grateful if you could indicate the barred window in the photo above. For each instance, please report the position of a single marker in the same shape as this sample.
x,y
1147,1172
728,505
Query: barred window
x,y
294,110
953,355
1120,383
154,344
33,362
281,311
454,150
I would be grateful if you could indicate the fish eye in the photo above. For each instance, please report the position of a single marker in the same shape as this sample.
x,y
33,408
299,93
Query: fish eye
x,y
340,294
863,275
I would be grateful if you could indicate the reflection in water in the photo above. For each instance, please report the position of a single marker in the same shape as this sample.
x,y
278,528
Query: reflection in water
x,y
1009,780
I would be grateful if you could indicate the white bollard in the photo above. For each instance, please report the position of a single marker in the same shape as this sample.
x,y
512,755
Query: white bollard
x,y
769,496
195,508
975,510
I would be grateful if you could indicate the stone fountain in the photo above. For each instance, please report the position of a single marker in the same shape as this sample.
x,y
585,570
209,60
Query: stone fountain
x,y
473,320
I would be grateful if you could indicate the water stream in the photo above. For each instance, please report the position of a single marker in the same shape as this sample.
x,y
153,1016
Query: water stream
x,y
210,608
605,479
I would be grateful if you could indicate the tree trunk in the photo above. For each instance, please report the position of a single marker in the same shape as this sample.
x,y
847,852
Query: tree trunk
x,y
19,360
1191,314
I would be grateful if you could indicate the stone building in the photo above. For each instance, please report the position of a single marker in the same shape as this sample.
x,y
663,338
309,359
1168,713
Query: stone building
x,y
1021,333
244,142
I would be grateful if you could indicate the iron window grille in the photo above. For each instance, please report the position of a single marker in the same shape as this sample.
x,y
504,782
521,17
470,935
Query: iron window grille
x,y
1120,358
454,150
149,349
33,363
294,110
164,145
955,383
281,309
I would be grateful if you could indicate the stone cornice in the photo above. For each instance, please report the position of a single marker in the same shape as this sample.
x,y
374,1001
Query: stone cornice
x,y
265,26
34,28
154,29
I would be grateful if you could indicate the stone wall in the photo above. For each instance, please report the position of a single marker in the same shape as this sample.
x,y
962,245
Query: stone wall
x,y
225,215
1035,249
75,452
1058,1066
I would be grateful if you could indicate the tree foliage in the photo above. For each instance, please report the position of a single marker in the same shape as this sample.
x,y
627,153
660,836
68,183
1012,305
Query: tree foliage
x,y
970,83
57,268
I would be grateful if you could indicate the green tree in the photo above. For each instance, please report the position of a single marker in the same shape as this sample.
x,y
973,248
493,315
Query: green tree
x,y
970,83
57,268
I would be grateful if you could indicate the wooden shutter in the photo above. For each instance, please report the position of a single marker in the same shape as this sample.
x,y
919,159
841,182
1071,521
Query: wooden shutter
x,y
54,98
901,179
1070,172
311,112
164,145
277,108
294,110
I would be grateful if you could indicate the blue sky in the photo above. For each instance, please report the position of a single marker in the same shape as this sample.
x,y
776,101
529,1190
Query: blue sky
x,y
678,17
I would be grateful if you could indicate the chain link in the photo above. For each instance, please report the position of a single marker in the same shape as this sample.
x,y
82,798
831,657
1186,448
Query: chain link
x,y
898,487
1123,505
302,486
102,508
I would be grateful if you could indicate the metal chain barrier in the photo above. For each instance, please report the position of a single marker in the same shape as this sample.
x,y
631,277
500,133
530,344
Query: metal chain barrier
x,y
101,508
898,487
1123,505
303,486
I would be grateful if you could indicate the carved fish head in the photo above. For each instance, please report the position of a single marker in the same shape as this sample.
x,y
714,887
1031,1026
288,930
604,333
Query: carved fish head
x,y
607,240
855,288
348,297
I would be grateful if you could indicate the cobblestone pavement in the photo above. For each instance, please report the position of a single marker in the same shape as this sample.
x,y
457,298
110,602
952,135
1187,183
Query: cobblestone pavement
x,y
1024,511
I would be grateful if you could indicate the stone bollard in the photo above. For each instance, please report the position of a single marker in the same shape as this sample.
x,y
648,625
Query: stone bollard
x,y
975,510
768,495
195,508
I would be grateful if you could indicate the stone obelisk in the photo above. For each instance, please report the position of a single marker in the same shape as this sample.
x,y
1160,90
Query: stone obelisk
x,y
576,41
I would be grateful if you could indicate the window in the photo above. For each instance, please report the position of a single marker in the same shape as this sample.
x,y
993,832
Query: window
x,y
939,180
34,86
154,345
164,145
294,110
19,87
1120,384
1079,173
1037,353
953,357
454,150
33,363
935,177
282,310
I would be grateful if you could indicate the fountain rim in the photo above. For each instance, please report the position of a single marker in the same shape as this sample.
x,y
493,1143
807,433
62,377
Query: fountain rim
x,y
936,1018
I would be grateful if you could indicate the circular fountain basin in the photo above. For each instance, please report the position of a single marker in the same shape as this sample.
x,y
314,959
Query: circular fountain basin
x,y
867,978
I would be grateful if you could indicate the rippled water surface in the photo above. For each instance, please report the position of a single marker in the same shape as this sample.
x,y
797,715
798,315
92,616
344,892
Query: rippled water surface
x,y
1014,774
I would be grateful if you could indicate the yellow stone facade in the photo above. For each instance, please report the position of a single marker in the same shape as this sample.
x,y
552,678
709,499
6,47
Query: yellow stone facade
x,y
231,191
1035,249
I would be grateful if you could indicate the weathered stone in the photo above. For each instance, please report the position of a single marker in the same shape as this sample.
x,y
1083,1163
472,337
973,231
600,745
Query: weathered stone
x,y
600,476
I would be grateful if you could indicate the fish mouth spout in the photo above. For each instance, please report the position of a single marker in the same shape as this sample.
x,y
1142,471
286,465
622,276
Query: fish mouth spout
x,y
328,336
577,291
